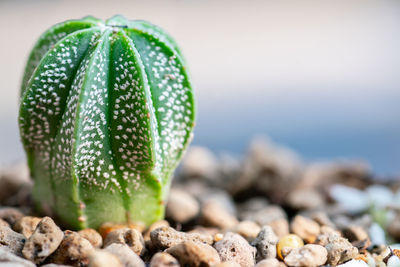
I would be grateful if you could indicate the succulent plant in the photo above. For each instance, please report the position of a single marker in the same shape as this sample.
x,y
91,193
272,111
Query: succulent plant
x,y
106,112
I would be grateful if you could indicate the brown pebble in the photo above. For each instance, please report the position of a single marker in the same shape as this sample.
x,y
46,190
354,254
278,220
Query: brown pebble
x,y
3,223
234,247
43,242
194,254
26,225
205,230
130,237
305,199
305,228
10,215
126,256
154,226
355,233
339,250
280,227
228,264
248,229
271,262
108,227
93,236
73,250
166,237
181,207
309,255
214,214
13,241
163,259
102,258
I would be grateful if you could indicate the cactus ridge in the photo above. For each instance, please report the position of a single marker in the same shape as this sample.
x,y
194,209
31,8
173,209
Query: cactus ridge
x,y
106,113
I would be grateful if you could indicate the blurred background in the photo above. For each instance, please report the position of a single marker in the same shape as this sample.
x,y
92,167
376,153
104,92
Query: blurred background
x,y
320,77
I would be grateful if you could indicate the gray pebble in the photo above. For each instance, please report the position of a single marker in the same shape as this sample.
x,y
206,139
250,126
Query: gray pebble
x,y
13,241
7,258
233,247
125,255
181,207
265,243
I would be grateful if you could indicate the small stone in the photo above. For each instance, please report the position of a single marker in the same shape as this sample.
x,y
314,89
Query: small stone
x,y
228,264
394,228
339,250
108,227
43,242
3,223
213,214
181,207
12,178
305,199
190,253
322,219
265,243
163,259
92,236
157,224
166,237
13,241
27,225
205,230
357,236
356,263
10,215
233,247
54,265
247,229
280,227
199,162
287,243
9,259
310,255
130,237
306,228
103,258
265,215
126,256
272,262
73,250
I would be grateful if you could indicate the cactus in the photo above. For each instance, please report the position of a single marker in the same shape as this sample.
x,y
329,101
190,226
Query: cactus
x,y
106,113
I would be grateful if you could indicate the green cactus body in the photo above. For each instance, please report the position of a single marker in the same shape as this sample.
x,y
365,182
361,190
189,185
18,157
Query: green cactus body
x,y
106,112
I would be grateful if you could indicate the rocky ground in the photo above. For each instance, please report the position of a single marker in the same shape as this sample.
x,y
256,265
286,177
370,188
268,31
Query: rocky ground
x,y
265,209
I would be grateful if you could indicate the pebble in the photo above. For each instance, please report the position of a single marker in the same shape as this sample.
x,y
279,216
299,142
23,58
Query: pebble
x,y
181,207
3,223
125,255
265,243
54,265
234,247
92,236
43,242
199,162
12,178
354,263
322,219
280,227
305,199
265,216
339,250
248,229
73,250
309,255
190,253
103,258
271,262
11,240
305,228
26,225
355,233
166,237
289,241
108,227
350,199
130,237
157,224
228,264
163,259
9,259
10,215
213,214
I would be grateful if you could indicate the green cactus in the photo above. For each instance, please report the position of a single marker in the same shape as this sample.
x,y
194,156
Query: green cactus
x,y
106,112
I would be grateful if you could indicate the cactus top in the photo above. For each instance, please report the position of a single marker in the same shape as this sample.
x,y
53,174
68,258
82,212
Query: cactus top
x,y
106,112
